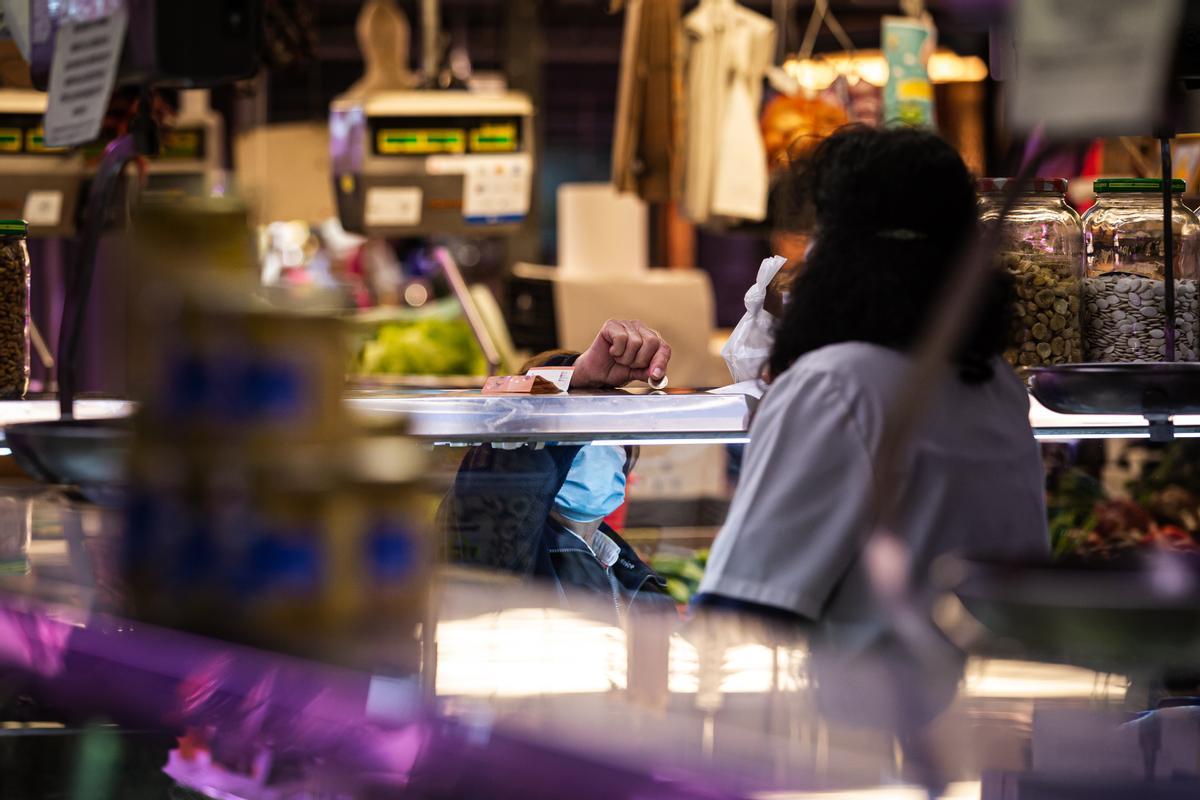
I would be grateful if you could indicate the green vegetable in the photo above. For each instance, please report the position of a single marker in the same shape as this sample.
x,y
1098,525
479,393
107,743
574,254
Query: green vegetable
x,y
1162,509
680,592
692,571
422,347
1070,506
683,572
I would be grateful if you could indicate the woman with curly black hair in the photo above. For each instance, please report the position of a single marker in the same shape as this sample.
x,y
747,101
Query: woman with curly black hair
x,y
895,214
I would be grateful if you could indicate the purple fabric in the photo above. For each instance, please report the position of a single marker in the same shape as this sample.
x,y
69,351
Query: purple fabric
x,y
304,713
731,260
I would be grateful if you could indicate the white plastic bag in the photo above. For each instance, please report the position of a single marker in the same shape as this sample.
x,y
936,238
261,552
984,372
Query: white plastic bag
x,y
750,343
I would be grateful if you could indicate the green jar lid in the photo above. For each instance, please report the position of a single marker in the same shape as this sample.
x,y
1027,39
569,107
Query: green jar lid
x,y
1129,185
14,227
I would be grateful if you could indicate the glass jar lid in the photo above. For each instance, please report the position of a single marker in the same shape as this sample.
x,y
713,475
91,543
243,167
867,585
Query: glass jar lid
x,y
1035,186
1136,185
14,227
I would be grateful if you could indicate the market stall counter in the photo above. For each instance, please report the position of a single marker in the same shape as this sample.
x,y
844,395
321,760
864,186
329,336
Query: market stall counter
x,y
613,705
676,416
526,695
611,417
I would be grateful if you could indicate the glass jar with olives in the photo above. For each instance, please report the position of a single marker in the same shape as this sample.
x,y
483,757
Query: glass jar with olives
x,y
14,309
1041,247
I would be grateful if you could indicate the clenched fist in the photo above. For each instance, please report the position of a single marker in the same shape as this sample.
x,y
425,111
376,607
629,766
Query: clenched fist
x,y
625,350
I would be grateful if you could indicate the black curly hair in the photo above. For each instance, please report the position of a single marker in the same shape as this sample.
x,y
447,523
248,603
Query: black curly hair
x,y
894,212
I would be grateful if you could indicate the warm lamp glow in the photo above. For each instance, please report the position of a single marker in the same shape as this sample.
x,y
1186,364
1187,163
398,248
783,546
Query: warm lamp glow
x,y
945,66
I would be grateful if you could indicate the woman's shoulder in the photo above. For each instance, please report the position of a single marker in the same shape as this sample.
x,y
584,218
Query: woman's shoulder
x,y
867,376
873,368
839,383
851,367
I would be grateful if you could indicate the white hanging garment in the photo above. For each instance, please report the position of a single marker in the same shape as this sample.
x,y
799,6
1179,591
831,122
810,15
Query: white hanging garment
x,y
729,49
740,185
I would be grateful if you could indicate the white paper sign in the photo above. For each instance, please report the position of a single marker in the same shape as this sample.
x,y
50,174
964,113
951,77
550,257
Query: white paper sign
x,y
497,187
559,376
81,78
754,388
43,208
1092,67
393,205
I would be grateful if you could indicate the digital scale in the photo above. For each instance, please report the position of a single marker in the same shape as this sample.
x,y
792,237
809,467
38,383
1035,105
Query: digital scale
x,y
43,185
189,157
432,162
37,183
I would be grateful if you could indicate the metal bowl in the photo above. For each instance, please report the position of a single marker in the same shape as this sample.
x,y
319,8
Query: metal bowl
x,y
89,455
1149,389
1139,615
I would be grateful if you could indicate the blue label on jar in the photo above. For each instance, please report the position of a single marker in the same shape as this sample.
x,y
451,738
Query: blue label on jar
x,y
391,552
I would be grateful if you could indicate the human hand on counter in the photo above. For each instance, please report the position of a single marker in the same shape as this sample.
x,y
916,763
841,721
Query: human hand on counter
x,y
625,350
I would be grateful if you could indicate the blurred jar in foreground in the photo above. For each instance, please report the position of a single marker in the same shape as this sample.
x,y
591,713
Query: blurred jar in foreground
x,y
1125,286
16,529
1041,246
14,309
260,510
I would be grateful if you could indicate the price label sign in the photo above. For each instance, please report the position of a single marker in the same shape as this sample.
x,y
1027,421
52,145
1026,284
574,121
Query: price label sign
x,y
393,205
1091,67
43,208
81,78
559,376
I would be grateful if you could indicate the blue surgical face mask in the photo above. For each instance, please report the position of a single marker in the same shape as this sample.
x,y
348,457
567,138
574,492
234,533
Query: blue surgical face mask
x,y
595,484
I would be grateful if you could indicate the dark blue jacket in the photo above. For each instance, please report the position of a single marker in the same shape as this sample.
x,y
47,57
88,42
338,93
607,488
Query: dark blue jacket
x,y
497,515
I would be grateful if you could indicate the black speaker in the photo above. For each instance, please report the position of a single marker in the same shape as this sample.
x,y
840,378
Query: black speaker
x,y
530,312
197,42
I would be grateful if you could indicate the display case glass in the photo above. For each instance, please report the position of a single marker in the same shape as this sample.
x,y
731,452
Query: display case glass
x,y
510,673
490,456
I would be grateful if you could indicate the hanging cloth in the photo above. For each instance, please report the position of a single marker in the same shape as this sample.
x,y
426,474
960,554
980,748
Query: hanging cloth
x,y
741,183
646,156
728,51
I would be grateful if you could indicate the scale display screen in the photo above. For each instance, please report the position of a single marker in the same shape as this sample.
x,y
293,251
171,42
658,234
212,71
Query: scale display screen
x,y
174,144
417,136
182,144
420,141
22,134
501,138
35,142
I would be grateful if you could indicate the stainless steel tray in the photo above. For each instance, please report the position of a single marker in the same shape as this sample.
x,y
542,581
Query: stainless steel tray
x,y
614,416
1155,390
1108,617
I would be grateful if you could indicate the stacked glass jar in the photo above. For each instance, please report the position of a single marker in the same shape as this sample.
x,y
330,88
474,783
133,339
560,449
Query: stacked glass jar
x,y
1125,283
1040,246
14,309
